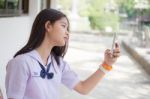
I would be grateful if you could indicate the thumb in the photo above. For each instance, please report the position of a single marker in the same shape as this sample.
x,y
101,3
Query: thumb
x,y
117,45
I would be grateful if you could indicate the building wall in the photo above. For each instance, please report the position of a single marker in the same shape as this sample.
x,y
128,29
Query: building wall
x,y
14,33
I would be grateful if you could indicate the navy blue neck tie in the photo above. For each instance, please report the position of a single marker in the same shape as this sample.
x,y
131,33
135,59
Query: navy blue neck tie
x,y
45,72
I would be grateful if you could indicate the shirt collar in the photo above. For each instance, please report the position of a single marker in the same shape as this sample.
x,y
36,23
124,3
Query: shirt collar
x,y
35,55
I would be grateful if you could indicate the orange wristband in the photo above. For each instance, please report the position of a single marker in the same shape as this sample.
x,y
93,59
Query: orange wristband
x,y
107,67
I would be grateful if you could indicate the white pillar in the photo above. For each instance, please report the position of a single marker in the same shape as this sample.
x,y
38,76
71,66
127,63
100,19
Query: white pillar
x,y
54,4
34,7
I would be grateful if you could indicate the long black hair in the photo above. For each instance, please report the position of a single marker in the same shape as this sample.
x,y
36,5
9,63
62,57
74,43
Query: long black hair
x,y
38,33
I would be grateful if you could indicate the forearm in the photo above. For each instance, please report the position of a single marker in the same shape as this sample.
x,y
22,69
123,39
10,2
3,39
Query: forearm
x,y
87,85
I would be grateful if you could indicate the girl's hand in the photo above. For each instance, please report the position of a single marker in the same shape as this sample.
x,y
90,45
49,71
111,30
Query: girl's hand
x,y
111,57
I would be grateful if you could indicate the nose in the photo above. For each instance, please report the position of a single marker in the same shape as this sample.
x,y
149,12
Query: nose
x,y
67,33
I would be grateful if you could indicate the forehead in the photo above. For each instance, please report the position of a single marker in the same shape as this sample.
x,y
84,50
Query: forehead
x,y
63,20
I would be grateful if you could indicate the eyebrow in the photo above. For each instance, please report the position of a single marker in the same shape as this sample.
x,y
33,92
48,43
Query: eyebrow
x,y
64,23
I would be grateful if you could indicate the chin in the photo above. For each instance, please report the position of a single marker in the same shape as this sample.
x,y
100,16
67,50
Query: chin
x,y
61,44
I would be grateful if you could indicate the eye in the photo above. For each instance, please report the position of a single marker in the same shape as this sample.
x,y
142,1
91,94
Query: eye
x,y
64,26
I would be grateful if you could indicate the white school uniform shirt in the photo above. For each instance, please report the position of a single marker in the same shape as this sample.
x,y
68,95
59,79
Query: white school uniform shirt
x,y
23,79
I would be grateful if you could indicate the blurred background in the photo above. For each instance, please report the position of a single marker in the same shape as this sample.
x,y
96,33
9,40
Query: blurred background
x,y
93,24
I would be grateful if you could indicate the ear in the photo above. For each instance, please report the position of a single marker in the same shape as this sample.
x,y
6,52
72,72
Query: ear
x,y
48,26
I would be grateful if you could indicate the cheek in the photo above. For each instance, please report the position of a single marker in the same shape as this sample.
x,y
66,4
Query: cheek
x,y
59,33
57,38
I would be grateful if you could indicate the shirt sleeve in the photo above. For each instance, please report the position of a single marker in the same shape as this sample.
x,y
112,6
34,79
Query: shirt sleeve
x,y
16,78
69,77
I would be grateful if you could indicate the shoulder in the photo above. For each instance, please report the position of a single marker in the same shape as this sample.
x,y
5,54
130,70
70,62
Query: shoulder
x,y
64,65
18,61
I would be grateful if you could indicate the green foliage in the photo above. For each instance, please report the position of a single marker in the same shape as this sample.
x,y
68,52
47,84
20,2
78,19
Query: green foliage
x,y
100,22
127,6
1,4
99,19
95,11
146,11
83,7
65,4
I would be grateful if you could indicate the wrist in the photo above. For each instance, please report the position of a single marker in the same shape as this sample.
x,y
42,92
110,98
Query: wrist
x,y
105,67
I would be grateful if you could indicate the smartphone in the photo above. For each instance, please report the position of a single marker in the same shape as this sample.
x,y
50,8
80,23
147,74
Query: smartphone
x,y
114,41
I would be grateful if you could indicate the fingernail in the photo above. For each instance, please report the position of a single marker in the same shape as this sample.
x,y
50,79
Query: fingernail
x,y
116,45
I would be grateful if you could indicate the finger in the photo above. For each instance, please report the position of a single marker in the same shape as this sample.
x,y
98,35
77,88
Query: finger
x,y
117,45
116,54
116,51
107,51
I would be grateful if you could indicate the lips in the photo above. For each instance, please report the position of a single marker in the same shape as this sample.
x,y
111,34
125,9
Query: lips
x,y
66,38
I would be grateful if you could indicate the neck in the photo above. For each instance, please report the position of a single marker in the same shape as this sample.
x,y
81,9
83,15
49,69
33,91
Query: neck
x,y
44,50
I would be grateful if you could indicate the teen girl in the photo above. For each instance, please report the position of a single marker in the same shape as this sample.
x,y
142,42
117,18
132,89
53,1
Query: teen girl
x,y
38,69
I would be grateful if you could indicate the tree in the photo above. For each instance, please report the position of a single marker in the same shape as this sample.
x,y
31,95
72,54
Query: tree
x,y
95,11
127,6
99,18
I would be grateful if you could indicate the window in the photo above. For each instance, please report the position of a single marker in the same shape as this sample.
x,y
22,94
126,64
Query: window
x,y
25,6
13,7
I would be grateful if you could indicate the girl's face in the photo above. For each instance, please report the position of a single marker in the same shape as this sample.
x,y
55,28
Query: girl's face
x,y
57,33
